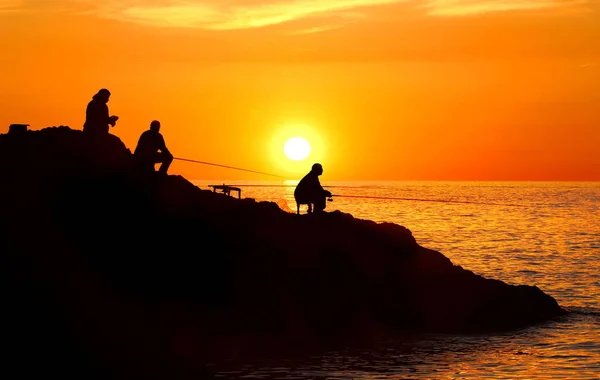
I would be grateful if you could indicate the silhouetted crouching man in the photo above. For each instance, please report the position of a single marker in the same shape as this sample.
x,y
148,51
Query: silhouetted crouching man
x,y
97,119
310,192
151,149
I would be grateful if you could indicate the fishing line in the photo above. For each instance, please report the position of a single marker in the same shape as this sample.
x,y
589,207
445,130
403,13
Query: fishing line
x,y
339,195
336,186
425,200
229,167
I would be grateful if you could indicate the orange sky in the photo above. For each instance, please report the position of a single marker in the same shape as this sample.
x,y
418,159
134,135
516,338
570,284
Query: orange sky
x,y
382,89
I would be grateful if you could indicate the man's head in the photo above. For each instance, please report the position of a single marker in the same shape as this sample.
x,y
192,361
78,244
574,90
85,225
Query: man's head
x,y
103,95
317,168
155,126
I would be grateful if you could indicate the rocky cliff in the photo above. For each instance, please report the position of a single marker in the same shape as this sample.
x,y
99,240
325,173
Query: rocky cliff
x,y
109,272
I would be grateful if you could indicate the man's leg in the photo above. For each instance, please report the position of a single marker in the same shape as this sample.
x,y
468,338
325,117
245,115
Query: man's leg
x,y
320,204
165,160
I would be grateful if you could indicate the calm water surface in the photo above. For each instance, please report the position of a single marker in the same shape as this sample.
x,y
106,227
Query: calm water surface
x,y
535,233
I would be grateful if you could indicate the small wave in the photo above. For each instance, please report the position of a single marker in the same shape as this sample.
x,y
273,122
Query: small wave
x,y
528,271
583,311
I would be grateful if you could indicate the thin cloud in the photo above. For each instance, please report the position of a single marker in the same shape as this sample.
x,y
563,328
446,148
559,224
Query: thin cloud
x,y
323,25
220,15
10,5
248,14
318,29
474,7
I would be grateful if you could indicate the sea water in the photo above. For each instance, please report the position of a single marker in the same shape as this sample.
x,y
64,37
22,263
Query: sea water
x,y
523,233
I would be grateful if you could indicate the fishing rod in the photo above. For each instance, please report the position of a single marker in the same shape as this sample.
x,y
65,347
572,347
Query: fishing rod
x,y
228,167
425,200
340,195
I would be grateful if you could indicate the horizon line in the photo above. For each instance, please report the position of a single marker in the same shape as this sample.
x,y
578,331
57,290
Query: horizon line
x,y
406,180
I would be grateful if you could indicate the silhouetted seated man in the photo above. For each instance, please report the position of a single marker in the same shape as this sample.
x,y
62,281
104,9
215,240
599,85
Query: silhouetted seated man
x,y
310,192
151,149
97,118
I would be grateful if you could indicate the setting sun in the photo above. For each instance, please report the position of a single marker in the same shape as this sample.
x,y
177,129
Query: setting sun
x,y
296,148
296,145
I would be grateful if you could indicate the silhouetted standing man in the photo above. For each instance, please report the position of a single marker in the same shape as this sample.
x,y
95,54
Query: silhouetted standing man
x,y
97,118
151,149
309,191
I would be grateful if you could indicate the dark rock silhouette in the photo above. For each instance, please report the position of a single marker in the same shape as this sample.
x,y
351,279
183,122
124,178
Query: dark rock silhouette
x,y
115,274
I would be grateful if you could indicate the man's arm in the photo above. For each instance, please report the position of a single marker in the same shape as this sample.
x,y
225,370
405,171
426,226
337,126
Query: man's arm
x,y
104,112
325,192
112,120
163,146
